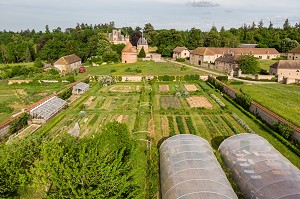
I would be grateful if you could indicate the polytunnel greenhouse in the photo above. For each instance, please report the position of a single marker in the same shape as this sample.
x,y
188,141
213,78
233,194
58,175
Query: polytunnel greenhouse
x,y
190,170
259,169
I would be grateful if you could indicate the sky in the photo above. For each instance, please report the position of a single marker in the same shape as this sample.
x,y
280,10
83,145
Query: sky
x,y
19,15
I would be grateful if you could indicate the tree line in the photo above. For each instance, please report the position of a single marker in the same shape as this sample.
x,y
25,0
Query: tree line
x,y
88,41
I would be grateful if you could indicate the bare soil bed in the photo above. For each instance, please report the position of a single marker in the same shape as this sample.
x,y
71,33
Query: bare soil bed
x,y
198,102
89,101
123,89
190,87
164,88
170,102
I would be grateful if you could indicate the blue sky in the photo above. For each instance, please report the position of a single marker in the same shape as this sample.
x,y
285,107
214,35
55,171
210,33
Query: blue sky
x,y
162,14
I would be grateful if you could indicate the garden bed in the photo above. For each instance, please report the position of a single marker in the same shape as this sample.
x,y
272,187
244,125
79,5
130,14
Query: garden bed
x,y
199,102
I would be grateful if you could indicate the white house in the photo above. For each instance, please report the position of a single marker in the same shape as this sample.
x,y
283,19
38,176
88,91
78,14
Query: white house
x,y
181,52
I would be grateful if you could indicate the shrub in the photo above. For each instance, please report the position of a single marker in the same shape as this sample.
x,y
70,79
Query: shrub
x,y
18,123
180,59
184,68
71,79
222,78
65,94
113,70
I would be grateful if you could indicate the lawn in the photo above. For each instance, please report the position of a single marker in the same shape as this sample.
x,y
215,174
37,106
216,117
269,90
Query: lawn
x,y
265,64
15,97
146,68
17,64
279,98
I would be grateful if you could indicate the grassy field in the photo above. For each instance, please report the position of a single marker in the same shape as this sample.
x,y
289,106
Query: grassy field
x,y
279,98
17,64
265,64
15,97
146,67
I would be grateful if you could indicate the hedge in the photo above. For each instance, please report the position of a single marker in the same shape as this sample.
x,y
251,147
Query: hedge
x,y
52,124
229,124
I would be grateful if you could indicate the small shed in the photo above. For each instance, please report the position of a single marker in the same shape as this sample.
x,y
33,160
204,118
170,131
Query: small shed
x,y
80,88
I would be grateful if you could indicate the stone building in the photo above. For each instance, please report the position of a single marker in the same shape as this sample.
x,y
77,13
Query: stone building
x,y
227,63
209,55
116,37
68,64
181,52
294,54
142,43
287,71
129,54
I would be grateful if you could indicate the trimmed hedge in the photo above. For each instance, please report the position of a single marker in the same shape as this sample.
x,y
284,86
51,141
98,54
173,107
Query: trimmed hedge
x,y
51,124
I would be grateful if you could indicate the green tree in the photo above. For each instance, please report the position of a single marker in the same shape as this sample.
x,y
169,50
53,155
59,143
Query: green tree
x,y
38,63
248,64
103,165
142,53
287,44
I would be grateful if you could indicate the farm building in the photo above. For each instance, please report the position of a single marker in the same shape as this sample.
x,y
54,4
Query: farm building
x,y
80,88
294,54
287,71
181,52
68,64
189,169
259,169
227,63
45,111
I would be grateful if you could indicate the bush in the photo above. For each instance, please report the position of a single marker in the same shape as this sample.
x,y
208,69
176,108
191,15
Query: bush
x,y
222,78
65,94
142,53
113,70
284,129
71,79
18,123
184,68
180,59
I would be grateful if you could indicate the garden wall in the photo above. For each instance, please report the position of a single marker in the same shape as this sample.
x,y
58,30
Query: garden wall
x,y
265,114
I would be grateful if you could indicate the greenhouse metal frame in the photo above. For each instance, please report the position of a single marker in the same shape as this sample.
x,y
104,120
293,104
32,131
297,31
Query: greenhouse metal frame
x,y
47,109
259,169
190,170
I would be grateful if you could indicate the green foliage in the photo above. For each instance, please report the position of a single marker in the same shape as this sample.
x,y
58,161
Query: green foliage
x,y
184,68
287,44
248,64
99,166
229,124
191,77
180,124
190,125
16,159
222,78
66,94
243,100
18,123
171,126
5,108
166,78
180,59
142,53
45,129
71,79
38,63
284,129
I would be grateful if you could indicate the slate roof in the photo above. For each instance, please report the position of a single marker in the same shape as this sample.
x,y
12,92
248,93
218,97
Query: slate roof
x,y
295,50
286,64
228,58
129,48
66,60
179,49
142,41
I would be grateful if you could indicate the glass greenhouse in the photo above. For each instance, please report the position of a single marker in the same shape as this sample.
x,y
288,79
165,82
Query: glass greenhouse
x,y
190,170
259,169
47,109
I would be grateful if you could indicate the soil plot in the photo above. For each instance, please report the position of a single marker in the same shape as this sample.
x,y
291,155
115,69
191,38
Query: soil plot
x,y
170,102
190,87
198,102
